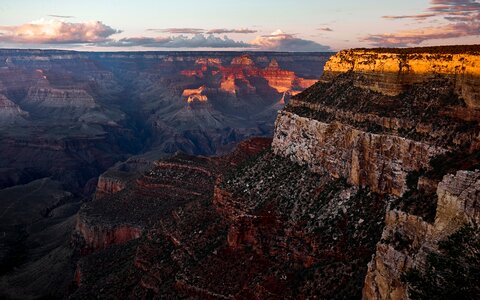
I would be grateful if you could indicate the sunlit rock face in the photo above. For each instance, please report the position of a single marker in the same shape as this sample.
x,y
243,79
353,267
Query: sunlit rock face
x,y
386,133
390,72
379,119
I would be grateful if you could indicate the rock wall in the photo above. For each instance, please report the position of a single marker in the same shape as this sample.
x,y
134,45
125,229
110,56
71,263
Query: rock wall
x,y
407,239
380,161
109,185
98,237
374,119
390,72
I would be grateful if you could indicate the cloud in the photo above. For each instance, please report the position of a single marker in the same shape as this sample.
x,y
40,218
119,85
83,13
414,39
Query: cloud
x,y
179,30
440,8
197,41
61,16
469,26
280,41
455,6
328,29
461,18
223,31
200,30
417,17
57,32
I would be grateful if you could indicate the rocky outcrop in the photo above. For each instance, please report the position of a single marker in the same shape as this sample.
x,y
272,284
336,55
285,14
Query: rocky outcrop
x,y
407,239
347,126
370,120
50,97
380,161
109,184
238,235
390,71
11,113
97,237
244,60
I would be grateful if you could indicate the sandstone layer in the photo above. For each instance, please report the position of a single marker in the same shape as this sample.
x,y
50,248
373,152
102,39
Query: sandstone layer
x,y
389,72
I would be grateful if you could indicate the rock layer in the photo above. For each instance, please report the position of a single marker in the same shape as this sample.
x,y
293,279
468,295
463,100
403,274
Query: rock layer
x,y
389,72
407,239
381,162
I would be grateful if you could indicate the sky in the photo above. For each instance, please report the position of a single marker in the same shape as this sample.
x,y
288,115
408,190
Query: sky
x,y
258,25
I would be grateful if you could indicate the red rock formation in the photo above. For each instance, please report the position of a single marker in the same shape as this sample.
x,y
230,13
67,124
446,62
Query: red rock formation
x,y
109,185
97,237
243,69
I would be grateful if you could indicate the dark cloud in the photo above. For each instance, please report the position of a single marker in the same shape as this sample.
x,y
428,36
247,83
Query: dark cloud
x,y
223,31
417,17
179,30
197,41
328,29
61,16
57,32
461,18
469,26
280,41
455,6
444,8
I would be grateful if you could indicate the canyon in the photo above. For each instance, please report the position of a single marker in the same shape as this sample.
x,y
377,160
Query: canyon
x,y
366,186
80,125
368,189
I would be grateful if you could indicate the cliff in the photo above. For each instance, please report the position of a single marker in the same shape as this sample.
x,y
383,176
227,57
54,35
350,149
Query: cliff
x,y
396,121
390,72
407,240
375,138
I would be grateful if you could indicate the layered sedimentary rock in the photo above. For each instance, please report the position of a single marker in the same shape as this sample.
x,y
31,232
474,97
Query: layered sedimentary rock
x,y
255,227
408,239
59,98
390,71
379,118
380,161
375,138
85,112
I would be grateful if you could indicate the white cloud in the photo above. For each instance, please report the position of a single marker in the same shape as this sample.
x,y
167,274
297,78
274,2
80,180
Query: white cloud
x,y
57,32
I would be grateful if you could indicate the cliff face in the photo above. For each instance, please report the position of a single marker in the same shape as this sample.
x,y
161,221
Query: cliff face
x,y
11,112
379,120
373,137
389,73
407,239
380,161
